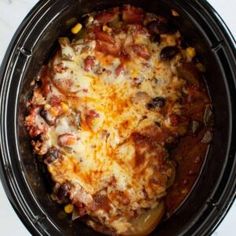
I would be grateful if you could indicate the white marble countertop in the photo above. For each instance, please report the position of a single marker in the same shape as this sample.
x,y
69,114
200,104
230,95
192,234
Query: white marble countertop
x,y
12,13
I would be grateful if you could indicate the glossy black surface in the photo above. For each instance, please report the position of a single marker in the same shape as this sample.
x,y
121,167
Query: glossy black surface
x,y
33,44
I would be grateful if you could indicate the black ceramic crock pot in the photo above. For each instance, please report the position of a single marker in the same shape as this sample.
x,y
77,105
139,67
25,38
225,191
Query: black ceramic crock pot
x,y
32,45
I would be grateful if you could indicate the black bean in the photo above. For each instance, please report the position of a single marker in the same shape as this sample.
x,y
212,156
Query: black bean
x,y
168,28
197,59
153,27
51,120
63,192
184,43
172,143
161,27
157,102
156,38
168,52
52,155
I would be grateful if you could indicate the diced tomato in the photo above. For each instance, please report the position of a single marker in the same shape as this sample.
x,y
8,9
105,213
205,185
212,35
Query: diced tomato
x,y
65,86
141,51
108,48
80,209
35,131
174,119
58,68
45,77
46,88
55,100
119,69
101,202
124,57
132,14
88,63
89,118
102,36
107,16
35,128
66,139
92,114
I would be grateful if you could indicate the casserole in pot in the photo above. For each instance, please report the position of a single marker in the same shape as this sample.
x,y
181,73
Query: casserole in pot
x,y
31,50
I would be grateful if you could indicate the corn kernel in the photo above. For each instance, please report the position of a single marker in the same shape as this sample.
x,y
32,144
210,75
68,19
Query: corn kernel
x,y
53,111
76,29
68,208
190,52
47,106
64,107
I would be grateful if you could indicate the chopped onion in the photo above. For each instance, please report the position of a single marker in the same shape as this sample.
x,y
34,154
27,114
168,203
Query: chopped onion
x,y
207,137
208,116
75,215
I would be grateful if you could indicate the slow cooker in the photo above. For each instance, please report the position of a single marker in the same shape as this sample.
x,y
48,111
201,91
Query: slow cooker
x,y
31,47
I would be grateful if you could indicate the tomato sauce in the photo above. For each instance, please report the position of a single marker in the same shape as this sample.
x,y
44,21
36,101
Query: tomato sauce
x,y
189,157
191,150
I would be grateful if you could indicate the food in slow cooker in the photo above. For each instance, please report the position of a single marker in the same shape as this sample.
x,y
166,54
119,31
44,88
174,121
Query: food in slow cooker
x,y
120,116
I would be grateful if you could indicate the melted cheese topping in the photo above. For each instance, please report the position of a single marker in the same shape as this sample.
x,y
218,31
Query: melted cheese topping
x,y
109,140
103,148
